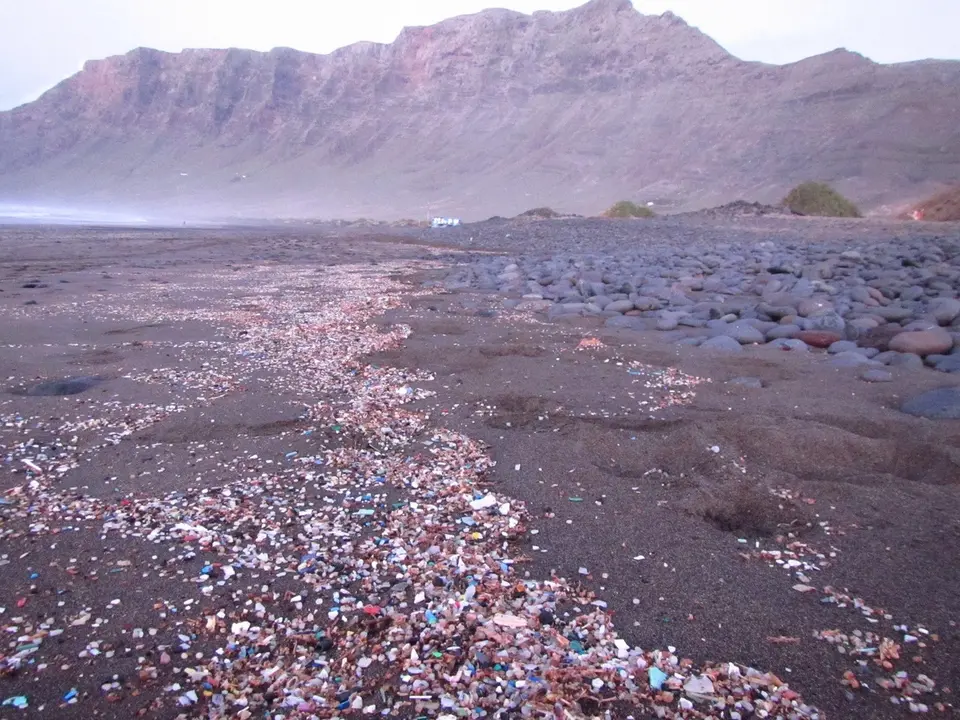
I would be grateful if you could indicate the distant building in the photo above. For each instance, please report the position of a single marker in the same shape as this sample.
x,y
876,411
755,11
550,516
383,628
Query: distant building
x,y
444,222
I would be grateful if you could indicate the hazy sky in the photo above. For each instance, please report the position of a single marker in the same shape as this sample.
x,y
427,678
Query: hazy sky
x,y
44,41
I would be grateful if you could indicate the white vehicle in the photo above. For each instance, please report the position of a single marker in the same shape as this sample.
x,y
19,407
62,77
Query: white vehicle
x,y
444,222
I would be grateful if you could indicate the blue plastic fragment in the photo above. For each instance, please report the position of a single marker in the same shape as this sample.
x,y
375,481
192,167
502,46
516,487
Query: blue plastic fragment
x,y
657,677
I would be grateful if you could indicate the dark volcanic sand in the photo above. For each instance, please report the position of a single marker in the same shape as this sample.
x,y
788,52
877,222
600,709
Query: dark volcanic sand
x,y
884,484
871,488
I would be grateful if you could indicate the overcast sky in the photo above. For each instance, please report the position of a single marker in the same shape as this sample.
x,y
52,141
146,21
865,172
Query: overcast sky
x,y
45,41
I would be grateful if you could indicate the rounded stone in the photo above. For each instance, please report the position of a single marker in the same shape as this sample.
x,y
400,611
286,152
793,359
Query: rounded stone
x,y
828,322
813,306
775,311
819,338
880,337
842,346
948,364
620,306
876,375
782,331
792,344
940,404
744,334
722,343
646,303
907,360
923,342
892,313
921,324
945,310
863,324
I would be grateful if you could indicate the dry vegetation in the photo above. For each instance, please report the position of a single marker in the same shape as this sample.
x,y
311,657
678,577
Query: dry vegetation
x,y
540,213
819,199
628,209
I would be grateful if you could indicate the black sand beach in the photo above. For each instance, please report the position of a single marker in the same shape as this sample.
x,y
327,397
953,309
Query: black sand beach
x,y
207,432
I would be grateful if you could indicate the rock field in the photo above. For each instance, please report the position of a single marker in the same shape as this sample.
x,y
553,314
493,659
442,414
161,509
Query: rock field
x,y
868,294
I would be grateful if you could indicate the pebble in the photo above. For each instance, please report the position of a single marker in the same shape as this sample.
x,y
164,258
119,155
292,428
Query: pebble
x,y
946,363
744,334
677,278
939,404
946,310
819,338
790,344
842,346
849,358
721,343
783,331
922,342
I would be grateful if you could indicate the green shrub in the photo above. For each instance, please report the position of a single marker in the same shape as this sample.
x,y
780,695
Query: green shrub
x,y
540,213
812,198
627,209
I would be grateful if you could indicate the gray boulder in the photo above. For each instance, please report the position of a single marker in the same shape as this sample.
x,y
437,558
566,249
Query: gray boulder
x,y
945,310
782,331
892,313
842,346
947,363
940,404
827,322
744,334
620,306
791,344
722,343
851,359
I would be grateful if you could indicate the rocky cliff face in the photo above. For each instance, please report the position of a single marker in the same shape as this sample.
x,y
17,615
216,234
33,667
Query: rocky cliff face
x,y
489,113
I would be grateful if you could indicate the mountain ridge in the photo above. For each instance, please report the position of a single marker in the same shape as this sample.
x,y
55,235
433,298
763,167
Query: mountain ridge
x,y
483,114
